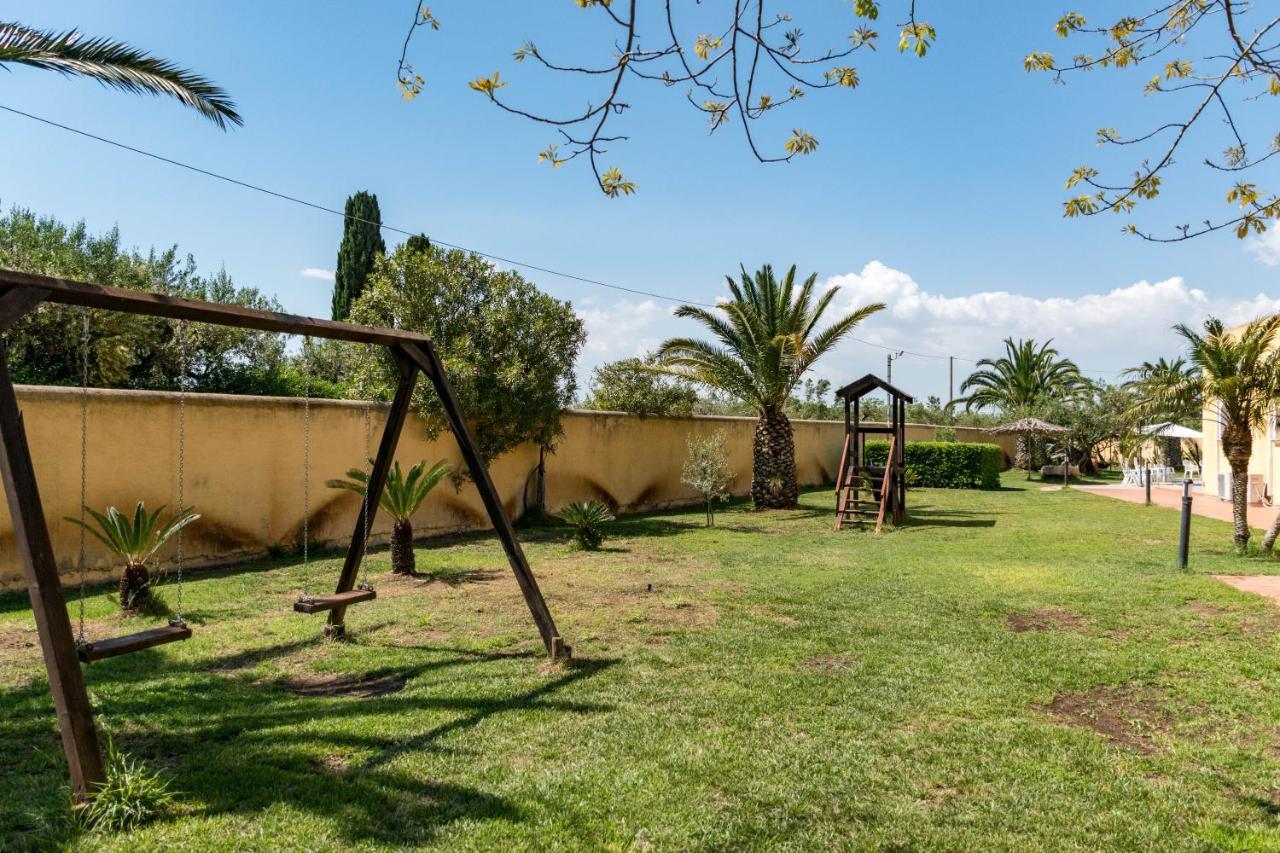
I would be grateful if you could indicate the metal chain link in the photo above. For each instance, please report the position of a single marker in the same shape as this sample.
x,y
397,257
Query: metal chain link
x,y
179,557
306,469
364,504
85,339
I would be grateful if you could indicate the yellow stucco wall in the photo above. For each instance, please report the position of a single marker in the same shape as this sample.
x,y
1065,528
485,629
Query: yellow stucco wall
x,y
244,464
1265,459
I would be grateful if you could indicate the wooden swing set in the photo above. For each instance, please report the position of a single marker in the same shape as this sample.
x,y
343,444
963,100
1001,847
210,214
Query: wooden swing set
x,y
63,651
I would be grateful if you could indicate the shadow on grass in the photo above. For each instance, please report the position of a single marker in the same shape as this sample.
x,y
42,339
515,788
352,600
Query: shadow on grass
x,y
242,747
921,517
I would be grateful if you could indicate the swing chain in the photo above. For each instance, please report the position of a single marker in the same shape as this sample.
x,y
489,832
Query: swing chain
x,y
85,340
306,468
365,503
179,558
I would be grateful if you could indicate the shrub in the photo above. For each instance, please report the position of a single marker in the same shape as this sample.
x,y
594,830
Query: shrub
x,y
706,470
131,796
586,517
945,464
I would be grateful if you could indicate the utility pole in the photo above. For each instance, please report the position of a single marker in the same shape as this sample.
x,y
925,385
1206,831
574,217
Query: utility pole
x,y
888,361
951,379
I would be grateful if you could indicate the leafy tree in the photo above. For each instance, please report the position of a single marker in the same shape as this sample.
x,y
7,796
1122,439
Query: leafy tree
x,y
1237,375
127,350
362,243
115,64
767,340
631,385
417,243
707,471
814,404
1099,414
509,348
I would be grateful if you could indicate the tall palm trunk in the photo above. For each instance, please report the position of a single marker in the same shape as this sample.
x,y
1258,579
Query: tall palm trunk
x,y
402,561
1237,446
773,475
134,585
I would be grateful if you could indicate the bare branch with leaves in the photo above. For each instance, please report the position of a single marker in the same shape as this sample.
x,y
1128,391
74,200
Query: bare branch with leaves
x,y
1237,68
753,64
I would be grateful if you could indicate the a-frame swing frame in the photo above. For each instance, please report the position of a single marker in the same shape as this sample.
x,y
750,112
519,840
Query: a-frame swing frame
x,y
21,293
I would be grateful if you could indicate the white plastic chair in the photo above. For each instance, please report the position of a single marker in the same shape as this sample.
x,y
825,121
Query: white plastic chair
x,y
1130,475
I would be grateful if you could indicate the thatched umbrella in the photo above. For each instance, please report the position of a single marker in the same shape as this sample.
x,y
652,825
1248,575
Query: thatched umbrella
x,y
1028,428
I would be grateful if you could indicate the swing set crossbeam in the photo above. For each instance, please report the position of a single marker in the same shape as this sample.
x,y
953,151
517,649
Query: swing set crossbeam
x,y
21,293
91,652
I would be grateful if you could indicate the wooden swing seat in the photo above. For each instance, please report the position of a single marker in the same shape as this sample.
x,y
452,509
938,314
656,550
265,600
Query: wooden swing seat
x,y
321,603
90,652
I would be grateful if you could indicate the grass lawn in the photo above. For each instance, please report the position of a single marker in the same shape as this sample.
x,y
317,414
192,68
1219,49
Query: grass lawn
x,y
1016,669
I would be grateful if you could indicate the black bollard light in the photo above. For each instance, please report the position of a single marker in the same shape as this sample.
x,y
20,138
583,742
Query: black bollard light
x,y
1184,529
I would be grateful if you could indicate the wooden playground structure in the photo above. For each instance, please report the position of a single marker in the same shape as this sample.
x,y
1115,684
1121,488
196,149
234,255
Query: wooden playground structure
x,y
868,493
21,293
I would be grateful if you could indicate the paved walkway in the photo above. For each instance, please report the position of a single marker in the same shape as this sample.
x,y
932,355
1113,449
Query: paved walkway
x,y
1260,517
1264,585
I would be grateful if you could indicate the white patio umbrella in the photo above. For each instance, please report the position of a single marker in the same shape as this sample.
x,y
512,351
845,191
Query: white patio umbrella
x,y
1170,430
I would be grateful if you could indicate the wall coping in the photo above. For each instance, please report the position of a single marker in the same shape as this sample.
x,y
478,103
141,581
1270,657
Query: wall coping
x,y
71,392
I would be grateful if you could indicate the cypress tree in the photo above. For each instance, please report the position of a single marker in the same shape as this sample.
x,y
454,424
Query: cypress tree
x,y
361,244
417,243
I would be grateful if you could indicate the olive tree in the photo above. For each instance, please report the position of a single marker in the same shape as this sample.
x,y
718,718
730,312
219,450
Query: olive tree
x,y
509,348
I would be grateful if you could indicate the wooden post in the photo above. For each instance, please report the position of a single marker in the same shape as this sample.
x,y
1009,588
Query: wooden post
x,y
57,643
377,482
425,356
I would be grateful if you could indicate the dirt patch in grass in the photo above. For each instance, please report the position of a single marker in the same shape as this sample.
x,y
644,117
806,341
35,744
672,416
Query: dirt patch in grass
x,y
830,664
1132,717
1207,610
360,687
1049,619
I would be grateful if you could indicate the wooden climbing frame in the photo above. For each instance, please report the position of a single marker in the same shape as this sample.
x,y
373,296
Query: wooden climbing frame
x,y
21,293
865,492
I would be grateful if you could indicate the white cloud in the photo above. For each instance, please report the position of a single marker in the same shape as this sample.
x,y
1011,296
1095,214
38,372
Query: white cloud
x,y
1103,332
316,272
621,330
1265,246
1106,331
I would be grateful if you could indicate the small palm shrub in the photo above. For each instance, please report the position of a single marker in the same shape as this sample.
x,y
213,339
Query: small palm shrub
x,y
587,518
135,541
131,796
401,498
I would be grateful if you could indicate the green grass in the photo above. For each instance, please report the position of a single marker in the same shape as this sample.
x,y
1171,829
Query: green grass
x,y
768,683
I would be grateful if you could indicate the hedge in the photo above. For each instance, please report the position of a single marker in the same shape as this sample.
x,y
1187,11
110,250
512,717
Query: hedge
x,y
946,464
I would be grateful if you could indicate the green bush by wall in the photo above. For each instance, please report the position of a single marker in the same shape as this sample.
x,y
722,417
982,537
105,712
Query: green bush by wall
x,y
945,464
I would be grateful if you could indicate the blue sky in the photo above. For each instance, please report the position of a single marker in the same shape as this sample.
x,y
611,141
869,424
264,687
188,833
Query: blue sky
x,y
937,185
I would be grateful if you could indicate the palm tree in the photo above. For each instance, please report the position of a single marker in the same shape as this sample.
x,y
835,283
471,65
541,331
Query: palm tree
x,y
401,497
115,64
135,542
1162,381
1029,376
767,339
1237,373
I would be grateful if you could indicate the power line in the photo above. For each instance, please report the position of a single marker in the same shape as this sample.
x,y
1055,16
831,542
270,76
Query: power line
x,y
409,233
324,209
